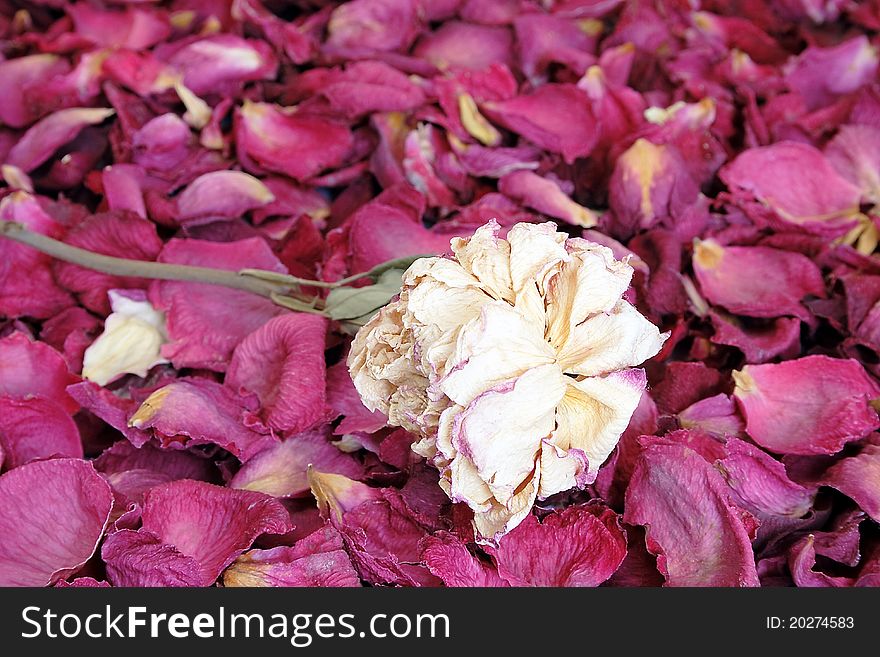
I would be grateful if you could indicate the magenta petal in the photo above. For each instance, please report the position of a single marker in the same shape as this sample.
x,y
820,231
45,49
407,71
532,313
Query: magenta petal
x,y
761,483
556,117
282,469
822,74
812,405
27,286
132,471
857,477
17,77
779,337
191,531
448,558
282,363
30,368
362,27
545,195
390,227
140,558
221,195
709,545
122,234
464,45
343,399
372,87
212,64
298,146
715,415
52,516
797,185
36,428
756,281
319,559
204,323
47,135
199,412
578,546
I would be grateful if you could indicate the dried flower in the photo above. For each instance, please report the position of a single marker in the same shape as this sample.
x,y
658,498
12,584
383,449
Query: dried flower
x,y
512,362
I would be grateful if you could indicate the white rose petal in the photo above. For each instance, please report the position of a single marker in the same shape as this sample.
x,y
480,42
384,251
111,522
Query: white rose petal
x,y
130,344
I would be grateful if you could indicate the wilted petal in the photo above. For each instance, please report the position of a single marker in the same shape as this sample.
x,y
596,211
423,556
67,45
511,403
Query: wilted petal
x,y
17,76
820,75
282,469
363,27
188,522
812,405
555,117
52,516
36,428
761,483
204,323
756,281
709,545
298,146
857,477
27,286
594,413
131,342
449,559
496,346
798,184
611,341
199,412
212,64
317,560
221,195
545,196
500,431
456,44
579,546
29,368
282,363
716,416
47,135
759,344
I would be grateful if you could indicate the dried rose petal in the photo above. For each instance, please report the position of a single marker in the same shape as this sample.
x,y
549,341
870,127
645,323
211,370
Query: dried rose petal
x,y
282,469
282,363
317,560
191,531
710,544
36,428
812,405
52,516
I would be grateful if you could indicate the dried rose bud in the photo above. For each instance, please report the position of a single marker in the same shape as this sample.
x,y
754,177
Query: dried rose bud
x,y
512,361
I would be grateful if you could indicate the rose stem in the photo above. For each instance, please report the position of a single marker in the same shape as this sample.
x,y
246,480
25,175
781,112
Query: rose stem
x,y
158,270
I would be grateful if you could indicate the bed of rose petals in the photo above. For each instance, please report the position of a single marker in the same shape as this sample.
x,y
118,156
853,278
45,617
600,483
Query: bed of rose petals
x,y
730,150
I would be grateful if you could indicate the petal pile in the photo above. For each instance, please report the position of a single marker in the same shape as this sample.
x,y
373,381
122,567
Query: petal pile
x,y
677,382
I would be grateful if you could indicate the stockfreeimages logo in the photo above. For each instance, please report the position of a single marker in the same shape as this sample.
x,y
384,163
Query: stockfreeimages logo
x,y
299,629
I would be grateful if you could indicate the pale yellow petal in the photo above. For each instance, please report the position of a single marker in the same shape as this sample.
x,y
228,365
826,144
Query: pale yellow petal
x,y
487,257
536,252
502,429
497,346
491,525
593,282
610,341
595,412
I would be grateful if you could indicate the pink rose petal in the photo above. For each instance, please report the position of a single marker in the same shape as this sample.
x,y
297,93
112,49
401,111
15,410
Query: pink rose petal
x,y
52,516
317,560
756,281
578,546
36,428
191,531
47,135
29,368
709,545
282,363
282,469
812,405
204,323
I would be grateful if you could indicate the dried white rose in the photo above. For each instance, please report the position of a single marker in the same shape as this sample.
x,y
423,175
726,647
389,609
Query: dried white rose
x,y
513,362
131,342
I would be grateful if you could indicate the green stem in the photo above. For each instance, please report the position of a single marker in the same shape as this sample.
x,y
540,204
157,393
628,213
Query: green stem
x,y
274,290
